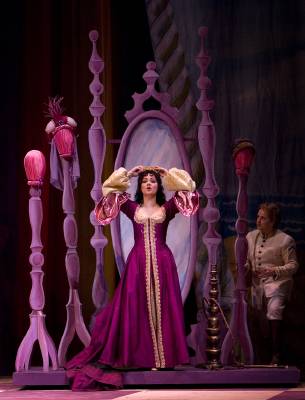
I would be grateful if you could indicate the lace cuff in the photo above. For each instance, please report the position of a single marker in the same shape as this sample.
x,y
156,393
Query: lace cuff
x,y
117,182
177,180
109,206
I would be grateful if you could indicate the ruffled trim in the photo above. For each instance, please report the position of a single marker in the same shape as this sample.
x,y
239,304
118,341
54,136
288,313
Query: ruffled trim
x,y
187,202
178,179
109,207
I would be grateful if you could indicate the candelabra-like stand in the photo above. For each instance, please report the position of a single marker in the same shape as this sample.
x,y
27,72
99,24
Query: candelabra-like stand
x,y
34,163
60,130
211,238
243,155
97,145
213,329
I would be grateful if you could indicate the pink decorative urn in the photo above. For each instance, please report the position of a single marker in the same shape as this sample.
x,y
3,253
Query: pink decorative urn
x,y
64,141
243,154
60,128
35,167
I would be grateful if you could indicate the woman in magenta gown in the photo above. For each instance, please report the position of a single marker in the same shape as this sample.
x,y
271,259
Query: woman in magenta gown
x,y
142,326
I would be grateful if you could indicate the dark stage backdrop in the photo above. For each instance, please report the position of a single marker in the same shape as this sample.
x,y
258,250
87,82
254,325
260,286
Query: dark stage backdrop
x,y
258,58
45,51
257,72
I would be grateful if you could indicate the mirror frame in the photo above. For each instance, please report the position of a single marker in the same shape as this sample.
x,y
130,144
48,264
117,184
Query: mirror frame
x,y
120,161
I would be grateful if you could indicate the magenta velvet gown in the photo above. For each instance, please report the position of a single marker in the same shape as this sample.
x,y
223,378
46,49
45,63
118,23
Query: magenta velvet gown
x,y
142,326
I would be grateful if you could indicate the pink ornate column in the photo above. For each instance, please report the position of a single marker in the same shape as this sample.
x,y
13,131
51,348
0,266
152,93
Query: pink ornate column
x,y
97,145
35,166
65,142
210,214
243,154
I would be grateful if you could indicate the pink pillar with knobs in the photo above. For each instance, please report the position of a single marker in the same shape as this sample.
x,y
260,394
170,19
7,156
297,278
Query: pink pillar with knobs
x,y
243,154
35,166
74,324
210,214
97,145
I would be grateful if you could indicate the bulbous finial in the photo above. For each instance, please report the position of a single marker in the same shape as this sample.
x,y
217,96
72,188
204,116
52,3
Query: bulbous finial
x,y
93,35
35,167
151,65
203,31
243,154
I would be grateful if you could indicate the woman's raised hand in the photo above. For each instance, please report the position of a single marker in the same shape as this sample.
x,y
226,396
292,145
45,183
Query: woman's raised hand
x,y
135,171
162,171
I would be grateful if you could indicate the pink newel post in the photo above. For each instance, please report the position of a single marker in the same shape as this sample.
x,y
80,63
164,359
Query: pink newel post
x,y
65,142
97,145
35,166
243,156
210,214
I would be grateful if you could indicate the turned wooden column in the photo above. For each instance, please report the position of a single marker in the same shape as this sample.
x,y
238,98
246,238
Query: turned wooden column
x,y
97,145
210,214
35,166
243,154
65,145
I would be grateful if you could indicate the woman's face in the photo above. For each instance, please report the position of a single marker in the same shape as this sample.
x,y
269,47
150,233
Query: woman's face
x,y
149,185
263,222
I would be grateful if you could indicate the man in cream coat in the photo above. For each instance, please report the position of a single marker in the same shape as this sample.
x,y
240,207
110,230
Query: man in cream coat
x,y
272,260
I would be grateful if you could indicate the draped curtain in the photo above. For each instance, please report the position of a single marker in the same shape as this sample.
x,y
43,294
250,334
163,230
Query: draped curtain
x,y
45,51
258,58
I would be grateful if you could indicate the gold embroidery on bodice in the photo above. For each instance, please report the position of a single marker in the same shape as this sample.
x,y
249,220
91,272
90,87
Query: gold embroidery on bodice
x,y
152,279
158,217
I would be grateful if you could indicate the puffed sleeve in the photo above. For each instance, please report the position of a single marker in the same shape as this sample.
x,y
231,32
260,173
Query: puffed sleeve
x,y
113,198
117,182
186,199
178,180
186,202
109,207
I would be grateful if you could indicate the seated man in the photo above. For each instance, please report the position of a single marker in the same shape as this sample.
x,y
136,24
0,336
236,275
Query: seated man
x,y
272,260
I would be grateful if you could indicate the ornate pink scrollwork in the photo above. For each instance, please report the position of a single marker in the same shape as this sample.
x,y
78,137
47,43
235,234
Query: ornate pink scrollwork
x,y
35,167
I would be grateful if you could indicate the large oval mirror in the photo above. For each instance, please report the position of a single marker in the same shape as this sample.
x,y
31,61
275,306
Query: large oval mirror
x,y
154,139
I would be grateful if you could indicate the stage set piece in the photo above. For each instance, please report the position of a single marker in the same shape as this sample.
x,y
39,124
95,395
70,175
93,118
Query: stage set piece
x,y
158,140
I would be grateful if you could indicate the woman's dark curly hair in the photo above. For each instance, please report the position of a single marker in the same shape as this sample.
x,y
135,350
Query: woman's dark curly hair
x,y
160,196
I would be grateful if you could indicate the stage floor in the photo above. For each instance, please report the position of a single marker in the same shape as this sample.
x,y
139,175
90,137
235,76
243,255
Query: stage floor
x,y
10,391
184,376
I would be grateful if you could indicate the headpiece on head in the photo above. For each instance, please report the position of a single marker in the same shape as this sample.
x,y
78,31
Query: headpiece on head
x,y
150,168
160,196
